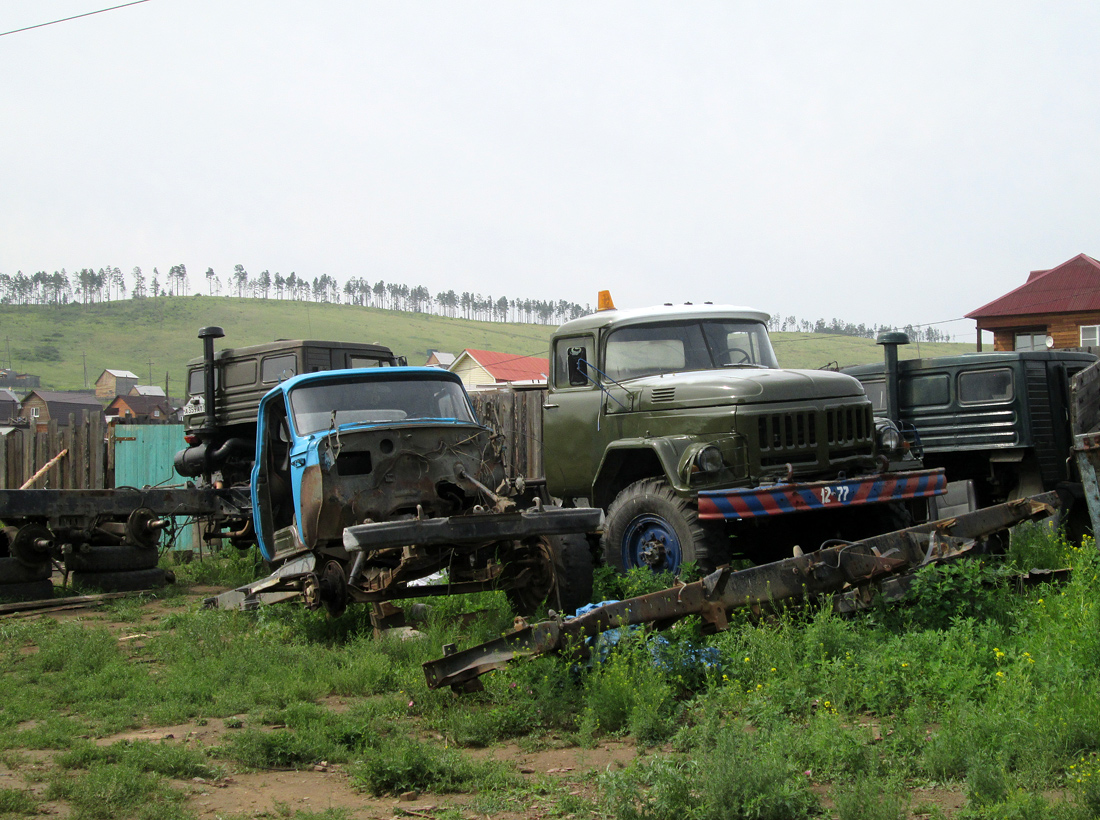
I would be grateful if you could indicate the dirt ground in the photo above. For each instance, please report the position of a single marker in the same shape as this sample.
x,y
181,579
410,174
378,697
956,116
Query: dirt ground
x,y
280,793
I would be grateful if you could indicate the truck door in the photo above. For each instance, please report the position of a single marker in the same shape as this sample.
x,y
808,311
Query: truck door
x,y
272,493
570,418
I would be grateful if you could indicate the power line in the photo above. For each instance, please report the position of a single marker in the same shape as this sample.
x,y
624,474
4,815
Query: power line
x,y
74,17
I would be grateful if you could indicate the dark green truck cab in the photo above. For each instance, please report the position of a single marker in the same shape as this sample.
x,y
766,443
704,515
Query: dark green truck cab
x,y
997,421
678,421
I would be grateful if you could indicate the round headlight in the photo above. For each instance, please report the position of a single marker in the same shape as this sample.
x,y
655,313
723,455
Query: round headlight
x,y
709,460
890,439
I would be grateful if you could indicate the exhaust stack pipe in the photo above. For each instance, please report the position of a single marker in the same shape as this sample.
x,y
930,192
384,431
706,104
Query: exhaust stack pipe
x,y
208,335
891,341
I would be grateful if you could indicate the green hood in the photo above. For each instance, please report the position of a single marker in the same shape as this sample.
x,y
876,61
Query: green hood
x,y
713,388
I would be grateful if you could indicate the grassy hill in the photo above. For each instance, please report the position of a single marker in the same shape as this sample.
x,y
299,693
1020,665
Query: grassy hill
x,y
62,344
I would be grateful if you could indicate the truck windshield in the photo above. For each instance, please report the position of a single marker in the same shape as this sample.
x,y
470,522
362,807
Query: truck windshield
x,y
647,350
326,404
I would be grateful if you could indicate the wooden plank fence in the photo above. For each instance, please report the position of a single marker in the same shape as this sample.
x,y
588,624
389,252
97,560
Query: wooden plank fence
x,y
89,463
24,451
517,415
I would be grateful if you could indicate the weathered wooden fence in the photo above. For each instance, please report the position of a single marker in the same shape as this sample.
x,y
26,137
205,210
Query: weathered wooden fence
x,y
517,415
23,452
91,448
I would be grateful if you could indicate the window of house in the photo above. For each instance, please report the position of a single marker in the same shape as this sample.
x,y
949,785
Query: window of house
x,y
1031,340
156,414
1090,336
34,412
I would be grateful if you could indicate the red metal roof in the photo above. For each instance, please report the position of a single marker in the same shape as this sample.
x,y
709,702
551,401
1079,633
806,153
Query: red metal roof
x,y
1072,287
508,367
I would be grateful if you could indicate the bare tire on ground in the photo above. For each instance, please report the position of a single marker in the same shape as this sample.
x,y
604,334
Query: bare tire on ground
x,y
14,571
562,577
648,525
31,591
112,559
121,581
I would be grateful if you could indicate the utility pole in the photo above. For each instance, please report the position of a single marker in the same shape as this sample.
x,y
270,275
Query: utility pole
x,y
84,358
150,371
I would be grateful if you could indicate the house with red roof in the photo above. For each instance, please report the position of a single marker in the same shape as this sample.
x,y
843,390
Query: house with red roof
x,y
1056,308
484,368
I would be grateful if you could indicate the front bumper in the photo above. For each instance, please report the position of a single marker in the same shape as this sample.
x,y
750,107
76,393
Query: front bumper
x,y
782,499
475,528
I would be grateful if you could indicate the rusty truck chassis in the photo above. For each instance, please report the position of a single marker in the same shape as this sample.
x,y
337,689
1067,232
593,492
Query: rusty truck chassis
x,y
843,568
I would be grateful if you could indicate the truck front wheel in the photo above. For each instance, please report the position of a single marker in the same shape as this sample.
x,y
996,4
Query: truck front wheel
x,y
559,575
648,525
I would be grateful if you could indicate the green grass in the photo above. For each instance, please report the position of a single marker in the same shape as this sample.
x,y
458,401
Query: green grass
x,y
970,685
129,334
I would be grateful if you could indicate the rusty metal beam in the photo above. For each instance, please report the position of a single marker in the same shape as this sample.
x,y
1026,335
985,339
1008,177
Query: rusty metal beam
x,y
825,571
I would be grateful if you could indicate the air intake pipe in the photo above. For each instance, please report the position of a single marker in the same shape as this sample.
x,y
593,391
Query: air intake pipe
x,y
891,341
208,335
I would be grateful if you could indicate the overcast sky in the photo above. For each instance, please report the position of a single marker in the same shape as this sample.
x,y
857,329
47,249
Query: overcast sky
x,y
874,162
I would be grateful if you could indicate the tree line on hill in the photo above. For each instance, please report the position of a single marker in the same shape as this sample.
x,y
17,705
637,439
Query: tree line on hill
x,y
89,286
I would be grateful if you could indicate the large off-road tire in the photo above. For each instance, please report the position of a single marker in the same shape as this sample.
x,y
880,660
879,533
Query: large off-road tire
x,y
121,581
112,559
30,591
562,579
14,571
648,525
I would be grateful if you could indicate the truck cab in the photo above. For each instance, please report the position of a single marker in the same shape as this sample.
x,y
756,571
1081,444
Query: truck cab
x,y
997,422
366,480
679,422
224,389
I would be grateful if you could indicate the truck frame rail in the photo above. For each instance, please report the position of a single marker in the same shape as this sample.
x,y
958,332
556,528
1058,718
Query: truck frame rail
x,y
825,571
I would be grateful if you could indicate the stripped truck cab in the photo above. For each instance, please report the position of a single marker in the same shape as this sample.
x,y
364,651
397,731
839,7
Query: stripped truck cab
x,y
366,480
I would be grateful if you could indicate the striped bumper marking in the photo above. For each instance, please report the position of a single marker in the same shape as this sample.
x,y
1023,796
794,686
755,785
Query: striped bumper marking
x,y
780,499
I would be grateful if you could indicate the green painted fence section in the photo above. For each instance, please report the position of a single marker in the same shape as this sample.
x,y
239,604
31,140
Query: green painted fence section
x,y
143,458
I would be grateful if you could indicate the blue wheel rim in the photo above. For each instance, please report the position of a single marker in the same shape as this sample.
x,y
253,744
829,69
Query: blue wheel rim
x,y
650,541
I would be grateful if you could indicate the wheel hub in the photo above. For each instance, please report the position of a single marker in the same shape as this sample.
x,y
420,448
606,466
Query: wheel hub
x,y
650,541
653,551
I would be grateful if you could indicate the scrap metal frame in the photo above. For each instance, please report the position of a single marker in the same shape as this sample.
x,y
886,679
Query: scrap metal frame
x,y
829,570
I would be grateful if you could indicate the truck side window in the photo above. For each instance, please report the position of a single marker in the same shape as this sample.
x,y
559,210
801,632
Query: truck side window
x,y
982,386
572,357
240,374
926,391
876,392
278,368
362,361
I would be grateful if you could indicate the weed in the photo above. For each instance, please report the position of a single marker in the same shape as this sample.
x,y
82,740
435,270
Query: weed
x,y
279,749
870,798
17,802
225,568
611,585
107,791
941,593
1039,545
408,765
657,789
628,691
168,759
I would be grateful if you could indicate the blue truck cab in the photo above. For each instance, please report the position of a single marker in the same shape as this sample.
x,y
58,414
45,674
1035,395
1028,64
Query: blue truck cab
x,y
365,480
